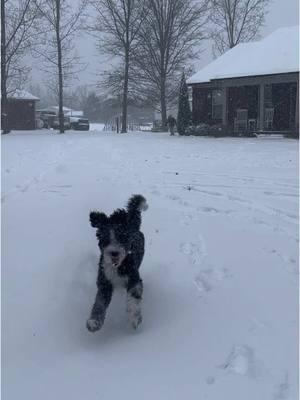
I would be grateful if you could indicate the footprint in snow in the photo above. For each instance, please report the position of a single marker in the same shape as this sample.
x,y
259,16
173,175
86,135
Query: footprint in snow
x,y
184,203
208,210
195,251
173,197
187,219
256,325
242,361
210,380
290,263
208,279
282,391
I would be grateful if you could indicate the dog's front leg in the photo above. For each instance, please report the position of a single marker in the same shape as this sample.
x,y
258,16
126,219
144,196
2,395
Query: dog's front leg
x,y
134,298
103,298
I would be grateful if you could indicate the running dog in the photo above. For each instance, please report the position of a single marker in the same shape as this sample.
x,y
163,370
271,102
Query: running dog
x,y
122,246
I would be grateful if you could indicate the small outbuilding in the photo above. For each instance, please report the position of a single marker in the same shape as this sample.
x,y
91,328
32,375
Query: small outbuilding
x,y
253,87
21,110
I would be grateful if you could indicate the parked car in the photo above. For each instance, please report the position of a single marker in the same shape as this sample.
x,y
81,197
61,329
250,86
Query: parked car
x,y
79,123
67,123
146,126
45,118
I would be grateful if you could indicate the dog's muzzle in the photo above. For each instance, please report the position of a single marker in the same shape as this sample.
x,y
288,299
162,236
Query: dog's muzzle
x,y
115,258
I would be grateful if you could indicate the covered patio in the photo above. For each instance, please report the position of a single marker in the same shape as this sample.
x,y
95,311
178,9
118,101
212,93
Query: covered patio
x,y
261,104
245,91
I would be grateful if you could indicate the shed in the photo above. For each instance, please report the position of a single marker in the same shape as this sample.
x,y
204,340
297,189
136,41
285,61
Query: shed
x,y
21,110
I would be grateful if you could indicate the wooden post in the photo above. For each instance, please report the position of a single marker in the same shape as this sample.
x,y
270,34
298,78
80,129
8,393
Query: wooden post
x,y
117,124
224,107
261,106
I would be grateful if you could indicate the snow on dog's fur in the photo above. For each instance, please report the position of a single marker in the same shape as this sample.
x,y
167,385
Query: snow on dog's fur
x,y
122,250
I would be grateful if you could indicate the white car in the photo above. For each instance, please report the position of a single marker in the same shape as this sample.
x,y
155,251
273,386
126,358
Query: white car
x,y
146,127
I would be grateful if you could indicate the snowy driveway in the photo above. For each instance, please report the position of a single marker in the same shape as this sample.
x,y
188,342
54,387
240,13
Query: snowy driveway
x,y
220,270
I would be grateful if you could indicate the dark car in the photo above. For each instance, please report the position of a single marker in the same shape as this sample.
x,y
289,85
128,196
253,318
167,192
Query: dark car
x,y
79,123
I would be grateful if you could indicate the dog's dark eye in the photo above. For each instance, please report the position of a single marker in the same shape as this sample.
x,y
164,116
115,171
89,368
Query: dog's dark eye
x,y
103,238
122,237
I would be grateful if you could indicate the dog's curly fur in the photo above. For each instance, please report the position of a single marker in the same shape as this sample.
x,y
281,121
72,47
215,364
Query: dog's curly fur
x,y
122,250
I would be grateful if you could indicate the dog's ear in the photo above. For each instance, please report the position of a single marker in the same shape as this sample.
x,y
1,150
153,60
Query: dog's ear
x,y
97,219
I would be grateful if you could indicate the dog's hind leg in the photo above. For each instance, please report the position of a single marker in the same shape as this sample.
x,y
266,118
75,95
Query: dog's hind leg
x,y
134,298
103,298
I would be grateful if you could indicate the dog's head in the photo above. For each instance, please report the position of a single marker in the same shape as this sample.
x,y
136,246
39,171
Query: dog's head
x,y
116,232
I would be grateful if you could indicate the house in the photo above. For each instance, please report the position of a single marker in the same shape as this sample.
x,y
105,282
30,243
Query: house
x,y
21,110
253,87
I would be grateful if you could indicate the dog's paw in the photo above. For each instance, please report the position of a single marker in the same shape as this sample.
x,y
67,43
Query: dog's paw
x,y
93,325
135,320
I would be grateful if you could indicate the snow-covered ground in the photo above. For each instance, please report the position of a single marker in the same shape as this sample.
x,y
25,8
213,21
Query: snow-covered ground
x,y
220,270
96,126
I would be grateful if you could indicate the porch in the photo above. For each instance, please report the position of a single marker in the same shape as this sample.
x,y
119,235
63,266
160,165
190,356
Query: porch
x,y
262,104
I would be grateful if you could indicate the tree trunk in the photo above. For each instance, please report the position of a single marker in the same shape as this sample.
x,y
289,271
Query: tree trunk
x,y
163,104
4,110
60,72
125,94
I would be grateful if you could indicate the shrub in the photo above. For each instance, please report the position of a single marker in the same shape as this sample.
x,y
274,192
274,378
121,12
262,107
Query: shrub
x,y
197,130
184,116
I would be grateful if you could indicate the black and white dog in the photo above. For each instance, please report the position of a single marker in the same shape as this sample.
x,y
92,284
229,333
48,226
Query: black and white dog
x,y
122,250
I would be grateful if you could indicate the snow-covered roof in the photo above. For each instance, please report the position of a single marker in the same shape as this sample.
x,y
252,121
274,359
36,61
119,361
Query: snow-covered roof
x,y
74,113
275,54
22,95
56,108
67,111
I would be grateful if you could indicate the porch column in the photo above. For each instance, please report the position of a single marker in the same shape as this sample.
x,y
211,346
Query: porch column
x,y
224,106
261,106
297,106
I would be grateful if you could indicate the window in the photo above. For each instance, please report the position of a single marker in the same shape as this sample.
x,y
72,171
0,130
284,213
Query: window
x,y
217,106
268,96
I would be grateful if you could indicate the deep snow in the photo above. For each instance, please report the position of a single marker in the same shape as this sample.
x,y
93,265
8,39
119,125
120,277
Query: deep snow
x,y
220,270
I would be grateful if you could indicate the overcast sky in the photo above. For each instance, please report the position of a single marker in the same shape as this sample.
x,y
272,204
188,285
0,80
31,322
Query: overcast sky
x,y
281,13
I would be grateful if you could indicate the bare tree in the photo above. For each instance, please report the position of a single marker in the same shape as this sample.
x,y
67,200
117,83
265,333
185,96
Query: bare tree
x,y
62,21
46,97
17,20
116,26
236,21
169,40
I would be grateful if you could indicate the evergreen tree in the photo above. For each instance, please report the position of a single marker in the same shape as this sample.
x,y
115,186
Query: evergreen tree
x,y
184,117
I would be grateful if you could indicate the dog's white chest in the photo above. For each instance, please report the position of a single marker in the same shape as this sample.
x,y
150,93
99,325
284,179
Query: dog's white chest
x,y
112,275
